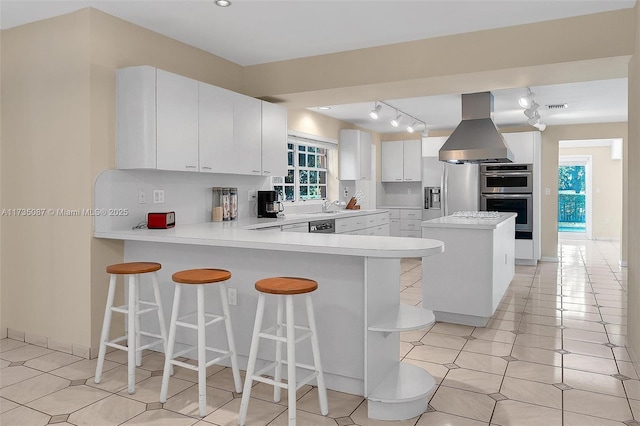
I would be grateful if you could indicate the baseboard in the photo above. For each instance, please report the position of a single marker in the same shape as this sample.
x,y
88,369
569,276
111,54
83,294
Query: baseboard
x,y
549,259
3,333
623,263
635,360
45,342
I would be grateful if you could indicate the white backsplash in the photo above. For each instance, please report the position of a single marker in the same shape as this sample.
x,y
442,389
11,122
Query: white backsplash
x,y
188,194
399,194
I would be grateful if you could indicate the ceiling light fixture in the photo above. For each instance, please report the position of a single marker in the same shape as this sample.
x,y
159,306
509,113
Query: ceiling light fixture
x,y
399,116
324,108
374,114
396,121
223,3
525,101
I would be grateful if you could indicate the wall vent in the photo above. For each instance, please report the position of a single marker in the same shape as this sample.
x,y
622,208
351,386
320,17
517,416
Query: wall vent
x,y
557,106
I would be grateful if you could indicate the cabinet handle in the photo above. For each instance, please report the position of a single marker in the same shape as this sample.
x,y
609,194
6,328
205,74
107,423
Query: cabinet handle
x,y
255,171
398,179
191,167
266,172
408,179
206,168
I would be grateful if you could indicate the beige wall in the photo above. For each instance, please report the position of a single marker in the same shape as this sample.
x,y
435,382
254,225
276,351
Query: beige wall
x,y
550,152
633,155
606,191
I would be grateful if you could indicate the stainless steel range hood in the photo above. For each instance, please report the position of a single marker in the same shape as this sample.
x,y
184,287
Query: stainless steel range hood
x,y
476,139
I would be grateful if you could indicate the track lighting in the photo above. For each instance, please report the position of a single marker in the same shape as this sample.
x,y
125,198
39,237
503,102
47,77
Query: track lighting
x,y
396,121
399,116
540,126
374,112
526,101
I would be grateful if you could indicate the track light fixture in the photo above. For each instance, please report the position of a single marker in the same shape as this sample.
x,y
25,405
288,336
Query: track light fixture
x,y
531,111
374,112
395,122
399,116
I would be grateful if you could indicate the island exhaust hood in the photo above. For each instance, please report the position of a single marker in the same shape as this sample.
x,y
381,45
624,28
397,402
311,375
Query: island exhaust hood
x,y
476,139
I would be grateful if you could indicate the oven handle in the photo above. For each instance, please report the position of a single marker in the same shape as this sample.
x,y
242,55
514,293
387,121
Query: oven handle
x,y
496,174
507,195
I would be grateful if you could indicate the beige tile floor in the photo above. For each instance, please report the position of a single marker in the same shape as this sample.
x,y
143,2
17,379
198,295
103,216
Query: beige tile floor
x,y
553,354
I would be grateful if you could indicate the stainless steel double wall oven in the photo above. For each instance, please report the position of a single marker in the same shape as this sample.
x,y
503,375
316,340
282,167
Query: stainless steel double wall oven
x,y
509,188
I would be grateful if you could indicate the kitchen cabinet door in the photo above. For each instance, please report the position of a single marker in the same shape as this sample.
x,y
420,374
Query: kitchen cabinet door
x,y
522,145
392,161
215,125
247,136
431,146
176,122
274,140
136,117
412,164
355,155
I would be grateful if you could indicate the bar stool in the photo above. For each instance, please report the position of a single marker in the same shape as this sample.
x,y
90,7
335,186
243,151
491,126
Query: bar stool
x,y
200,277
288,287
132,271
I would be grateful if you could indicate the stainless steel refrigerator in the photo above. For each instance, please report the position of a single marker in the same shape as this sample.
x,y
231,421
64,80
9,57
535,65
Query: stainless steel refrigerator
x,y
459,187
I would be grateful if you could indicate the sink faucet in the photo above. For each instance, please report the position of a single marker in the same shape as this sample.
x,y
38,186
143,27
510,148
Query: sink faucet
x,y
326,205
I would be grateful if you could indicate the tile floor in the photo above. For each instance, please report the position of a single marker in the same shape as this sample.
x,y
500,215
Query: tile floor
x,y
552,355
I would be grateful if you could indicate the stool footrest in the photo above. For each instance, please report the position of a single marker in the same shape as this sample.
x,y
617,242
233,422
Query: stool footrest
x,y
266,334
149,345
269,381
117,346
224,355
124,309
259,378
215,318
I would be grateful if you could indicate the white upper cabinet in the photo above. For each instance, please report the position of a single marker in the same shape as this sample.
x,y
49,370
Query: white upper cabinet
x,y
525,146
170,122
392,161
431,146
215,128
274,140
402,161
355,155
247,136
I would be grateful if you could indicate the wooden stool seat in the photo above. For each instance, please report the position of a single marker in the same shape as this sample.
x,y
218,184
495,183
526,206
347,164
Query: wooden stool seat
x,y
201,276
286,285
131,268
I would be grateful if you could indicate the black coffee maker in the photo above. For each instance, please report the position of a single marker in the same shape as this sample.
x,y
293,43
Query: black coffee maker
x,y
268,204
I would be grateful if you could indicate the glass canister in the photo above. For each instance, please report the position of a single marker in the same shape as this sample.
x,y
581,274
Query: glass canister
x,y
226,203
233,199
217,211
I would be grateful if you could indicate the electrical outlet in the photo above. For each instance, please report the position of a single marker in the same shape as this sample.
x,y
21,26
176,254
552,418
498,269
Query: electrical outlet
x,y
158,196
142,196
547,191
252,195
233,296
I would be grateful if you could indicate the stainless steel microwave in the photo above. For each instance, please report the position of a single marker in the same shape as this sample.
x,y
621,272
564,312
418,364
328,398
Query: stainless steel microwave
x,y
506,179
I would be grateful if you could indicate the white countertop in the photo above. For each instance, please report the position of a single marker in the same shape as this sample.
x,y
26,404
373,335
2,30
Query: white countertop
x,y
468,222
244,234
401,207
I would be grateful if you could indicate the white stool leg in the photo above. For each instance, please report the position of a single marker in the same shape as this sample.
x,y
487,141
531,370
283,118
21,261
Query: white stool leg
x,y
279,329
322,390
291,360
131,335
202,354
138,337
251,365
106,327
158,301
168,356
230,339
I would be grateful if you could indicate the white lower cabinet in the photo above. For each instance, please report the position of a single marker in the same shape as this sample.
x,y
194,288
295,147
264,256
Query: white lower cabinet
x,y
376,224
410,223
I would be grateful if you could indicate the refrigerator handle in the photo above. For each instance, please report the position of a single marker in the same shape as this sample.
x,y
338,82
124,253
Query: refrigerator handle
x,y
444,184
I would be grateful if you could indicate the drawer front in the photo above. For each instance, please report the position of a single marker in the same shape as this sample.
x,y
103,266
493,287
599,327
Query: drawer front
x,y
349,224
411,224
394,213
411,214
377,219
410,234
394,227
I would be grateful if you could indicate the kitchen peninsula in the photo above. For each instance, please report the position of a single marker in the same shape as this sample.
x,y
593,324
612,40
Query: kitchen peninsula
x,y
358,311
465,284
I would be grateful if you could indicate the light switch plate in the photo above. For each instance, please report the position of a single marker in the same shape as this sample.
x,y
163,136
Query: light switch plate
x,y
158,196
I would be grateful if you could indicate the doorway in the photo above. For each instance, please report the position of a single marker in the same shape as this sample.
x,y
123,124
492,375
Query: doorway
x,y
574,197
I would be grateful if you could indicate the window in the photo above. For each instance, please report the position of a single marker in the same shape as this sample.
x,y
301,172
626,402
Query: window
x,y
307,177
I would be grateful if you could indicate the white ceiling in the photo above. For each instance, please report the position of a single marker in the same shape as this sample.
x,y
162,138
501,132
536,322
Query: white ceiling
x,y
260,31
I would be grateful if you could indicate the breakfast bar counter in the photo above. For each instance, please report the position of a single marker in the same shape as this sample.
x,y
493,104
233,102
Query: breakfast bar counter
x,y
358,311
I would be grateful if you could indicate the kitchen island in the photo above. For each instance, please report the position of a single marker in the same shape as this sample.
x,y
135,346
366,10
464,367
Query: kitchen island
x,y
358,311
465,284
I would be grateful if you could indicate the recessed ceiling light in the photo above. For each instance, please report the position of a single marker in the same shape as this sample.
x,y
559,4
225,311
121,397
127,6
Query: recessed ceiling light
x,y
223,3
324,107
